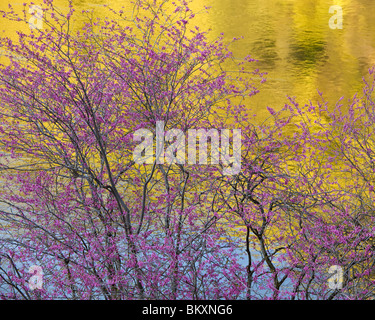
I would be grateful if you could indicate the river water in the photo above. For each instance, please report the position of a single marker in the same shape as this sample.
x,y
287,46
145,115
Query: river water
x,y
291,39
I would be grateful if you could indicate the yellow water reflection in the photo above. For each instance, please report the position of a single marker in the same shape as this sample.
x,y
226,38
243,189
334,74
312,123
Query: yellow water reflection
x,y
291,39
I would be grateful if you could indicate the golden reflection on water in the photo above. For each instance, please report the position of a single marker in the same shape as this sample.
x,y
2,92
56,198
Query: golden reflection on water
x,y
291,39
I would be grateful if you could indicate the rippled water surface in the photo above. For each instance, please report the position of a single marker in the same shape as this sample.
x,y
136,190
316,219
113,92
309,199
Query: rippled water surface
x,y
291,39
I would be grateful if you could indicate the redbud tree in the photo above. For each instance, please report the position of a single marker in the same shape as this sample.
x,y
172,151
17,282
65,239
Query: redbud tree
x,y
101,225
